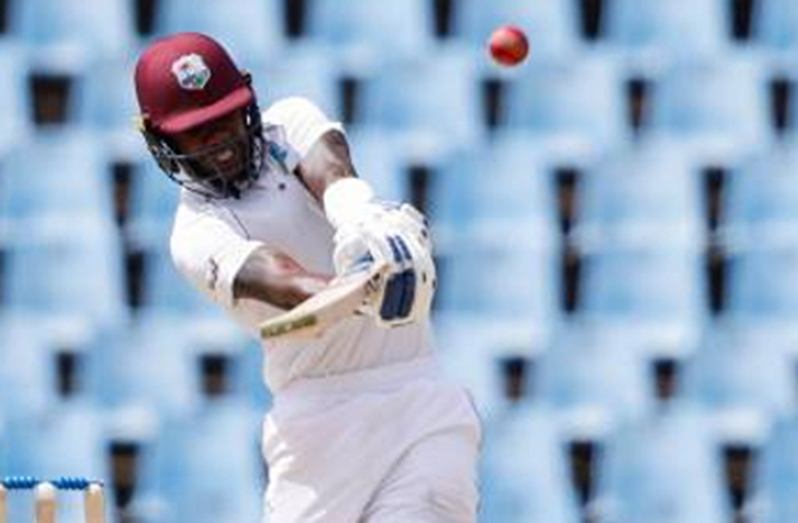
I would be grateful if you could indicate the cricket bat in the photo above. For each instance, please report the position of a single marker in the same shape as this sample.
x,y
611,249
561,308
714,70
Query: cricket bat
x,y
338,301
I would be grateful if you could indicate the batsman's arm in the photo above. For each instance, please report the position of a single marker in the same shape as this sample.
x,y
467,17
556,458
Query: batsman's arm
x,y
277,279
274,277
327,162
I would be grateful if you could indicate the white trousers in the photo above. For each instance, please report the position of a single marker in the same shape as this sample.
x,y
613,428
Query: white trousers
x,y
396,444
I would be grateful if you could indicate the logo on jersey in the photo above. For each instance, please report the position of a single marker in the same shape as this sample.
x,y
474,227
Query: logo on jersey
x,y
279,153
212,277
191,72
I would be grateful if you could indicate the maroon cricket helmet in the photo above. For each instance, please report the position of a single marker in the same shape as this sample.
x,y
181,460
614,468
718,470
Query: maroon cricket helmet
x,y
188,79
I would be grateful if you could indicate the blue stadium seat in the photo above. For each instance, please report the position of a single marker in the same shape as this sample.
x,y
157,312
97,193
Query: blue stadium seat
x,y
434,101
578,105
15,99
253,31
497,297
775,478
761,198
69,440
664,468
104,101
744,384
306,71
71,271
501,187
507,277
551,26
152,205
649,193
57,176
720,104
377,159
524,473
151,372
167,292
473,346
669,29
145,372
206,468
27,369
70,36
775,25
364,31
655,293
763,283
594,378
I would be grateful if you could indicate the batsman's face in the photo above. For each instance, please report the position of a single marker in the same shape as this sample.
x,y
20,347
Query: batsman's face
x,y
218,149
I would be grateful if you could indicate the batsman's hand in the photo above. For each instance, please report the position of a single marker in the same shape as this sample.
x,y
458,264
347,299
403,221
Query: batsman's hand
x,y
399,236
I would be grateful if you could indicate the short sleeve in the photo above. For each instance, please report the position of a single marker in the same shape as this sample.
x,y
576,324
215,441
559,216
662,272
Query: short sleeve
x,y
210,251
304,123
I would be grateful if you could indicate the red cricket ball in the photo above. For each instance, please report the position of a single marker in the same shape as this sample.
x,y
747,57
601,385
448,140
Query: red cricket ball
x,y
508,45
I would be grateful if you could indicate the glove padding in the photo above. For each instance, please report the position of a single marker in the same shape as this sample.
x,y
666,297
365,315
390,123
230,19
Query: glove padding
x,y
399,236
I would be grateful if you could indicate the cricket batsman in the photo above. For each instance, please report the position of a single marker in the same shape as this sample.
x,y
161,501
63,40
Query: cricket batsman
x,y
363,428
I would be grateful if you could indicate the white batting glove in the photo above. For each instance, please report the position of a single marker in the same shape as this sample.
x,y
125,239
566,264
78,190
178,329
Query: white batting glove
x,y
397,235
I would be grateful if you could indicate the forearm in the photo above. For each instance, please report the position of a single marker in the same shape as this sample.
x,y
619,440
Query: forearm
x,y
327,162
276,279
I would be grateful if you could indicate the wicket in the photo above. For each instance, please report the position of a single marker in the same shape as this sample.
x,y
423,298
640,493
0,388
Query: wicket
x,y
45,496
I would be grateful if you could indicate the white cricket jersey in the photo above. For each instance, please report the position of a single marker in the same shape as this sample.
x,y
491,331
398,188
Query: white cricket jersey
x,y
212,238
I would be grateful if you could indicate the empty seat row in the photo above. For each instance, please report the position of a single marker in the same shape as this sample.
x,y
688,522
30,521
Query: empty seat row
x,y
578,105
667,466
206,467
685,28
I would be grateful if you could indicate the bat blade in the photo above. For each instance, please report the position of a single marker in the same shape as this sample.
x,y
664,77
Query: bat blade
x,y
338,301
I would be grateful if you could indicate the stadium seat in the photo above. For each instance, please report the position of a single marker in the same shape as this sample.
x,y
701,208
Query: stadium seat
x,y
664,468
379,161
104,102
147,370
153,202
551,26
68,37
505,283
744,384
649,193
27,369
654,293
501,187
72,271
58,176
206,468
775,25
15,99
152,371
578,105
306,71
761,199
166,290
365,32
524,473
435,102
762,282
253,31
720,104
473,347
69,440
668,30
775,477
507,277
595,379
